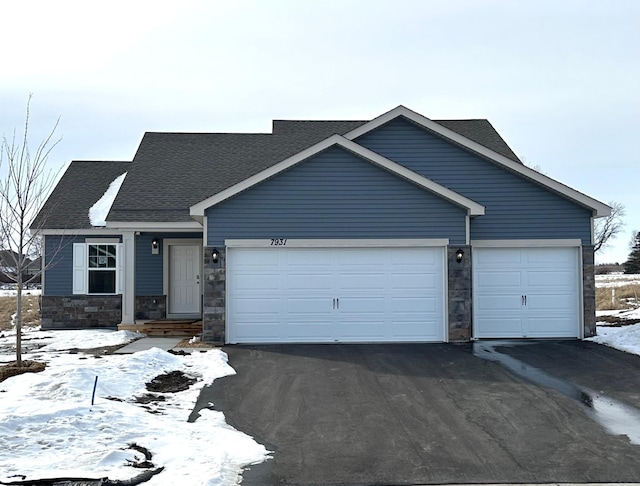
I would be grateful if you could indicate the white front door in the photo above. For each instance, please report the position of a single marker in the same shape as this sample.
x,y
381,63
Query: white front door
x,y
335,295
184,279
525,292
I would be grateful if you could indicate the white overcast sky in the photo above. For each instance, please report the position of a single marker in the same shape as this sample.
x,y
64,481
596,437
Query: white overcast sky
x,y
560,80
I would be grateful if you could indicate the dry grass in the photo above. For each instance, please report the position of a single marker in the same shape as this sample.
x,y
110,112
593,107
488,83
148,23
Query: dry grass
x,y
30,311
616,298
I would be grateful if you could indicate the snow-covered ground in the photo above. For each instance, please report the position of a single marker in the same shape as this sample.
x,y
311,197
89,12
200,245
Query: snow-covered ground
x,y
49,428
617,280
624,338
13,293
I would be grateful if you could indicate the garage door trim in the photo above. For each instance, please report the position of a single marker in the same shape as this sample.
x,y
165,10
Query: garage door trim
x,y
577,243
336,243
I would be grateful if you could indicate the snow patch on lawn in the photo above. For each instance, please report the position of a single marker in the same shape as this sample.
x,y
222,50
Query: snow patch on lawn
x,y
99,211
48,427
626,338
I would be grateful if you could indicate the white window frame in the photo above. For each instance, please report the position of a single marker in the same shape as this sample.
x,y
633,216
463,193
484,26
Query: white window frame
x,y
81,265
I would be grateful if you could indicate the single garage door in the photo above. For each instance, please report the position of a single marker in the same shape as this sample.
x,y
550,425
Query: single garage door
x,y
525,292
327,295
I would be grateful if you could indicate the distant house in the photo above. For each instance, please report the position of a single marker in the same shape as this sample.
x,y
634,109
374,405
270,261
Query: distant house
x,y
399,228
8,271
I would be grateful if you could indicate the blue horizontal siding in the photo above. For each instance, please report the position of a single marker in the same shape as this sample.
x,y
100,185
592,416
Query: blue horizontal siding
x,y
516,208
149,267
335,194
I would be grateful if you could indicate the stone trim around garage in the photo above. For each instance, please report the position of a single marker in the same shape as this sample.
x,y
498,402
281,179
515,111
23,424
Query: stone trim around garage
x,y
459,285
589,291
81,311
214,299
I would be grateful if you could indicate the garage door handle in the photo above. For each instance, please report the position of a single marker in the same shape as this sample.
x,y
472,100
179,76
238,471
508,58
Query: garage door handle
x,y
337,303
525,300
522,300
334,303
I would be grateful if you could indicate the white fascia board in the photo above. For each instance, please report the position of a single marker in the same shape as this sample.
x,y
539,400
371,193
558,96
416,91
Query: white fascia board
x,y
472,207
150,226
599,209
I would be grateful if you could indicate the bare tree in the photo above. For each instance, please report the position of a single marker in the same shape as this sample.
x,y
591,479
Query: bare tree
x,y
607,228
24,189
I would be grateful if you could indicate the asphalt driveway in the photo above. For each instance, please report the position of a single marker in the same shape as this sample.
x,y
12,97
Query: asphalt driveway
x,y
427,413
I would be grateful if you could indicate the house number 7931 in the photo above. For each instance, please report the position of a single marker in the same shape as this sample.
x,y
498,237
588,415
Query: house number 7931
x,y
278,241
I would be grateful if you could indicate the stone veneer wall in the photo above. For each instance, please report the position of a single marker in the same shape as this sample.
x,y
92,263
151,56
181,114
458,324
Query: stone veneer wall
x,y
151,307
589,291
80,311
459,298
214,301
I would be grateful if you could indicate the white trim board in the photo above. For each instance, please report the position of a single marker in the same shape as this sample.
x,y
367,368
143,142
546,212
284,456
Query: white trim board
x,y
153,226
599,208
526,243
336,243
472,207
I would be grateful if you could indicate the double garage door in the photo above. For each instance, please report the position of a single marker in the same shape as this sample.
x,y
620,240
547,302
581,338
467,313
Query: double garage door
x,y
335,295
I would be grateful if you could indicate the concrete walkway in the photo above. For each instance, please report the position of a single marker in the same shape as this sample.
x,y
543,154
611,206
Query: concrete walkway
x,y
165,343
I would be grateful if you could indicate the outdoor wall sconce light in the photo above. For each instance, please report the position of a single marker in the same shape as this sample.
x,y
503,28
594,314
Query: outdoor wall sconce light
x,y
459,255
215,255
155,246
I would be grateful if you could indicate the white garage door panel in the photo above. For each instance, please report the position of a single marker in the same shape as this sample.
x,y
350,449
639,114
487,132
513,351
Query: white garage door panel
x,y
362,282
505,326
551,278
525,292
502,278
335,294
505,257
558,327
310,281
545,302
554,258
257,305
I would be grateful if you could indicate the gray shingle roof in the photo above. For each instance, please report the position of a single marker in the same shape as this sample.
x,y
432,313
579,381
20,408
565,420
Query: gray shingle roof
x,y
481,131
80,187
173,171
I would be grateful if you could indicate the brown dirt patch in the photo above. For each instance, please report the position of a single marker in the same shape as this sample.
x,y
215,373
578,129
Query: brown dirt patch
x,y
148,398
172,382
12,369
615,321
